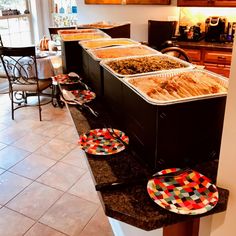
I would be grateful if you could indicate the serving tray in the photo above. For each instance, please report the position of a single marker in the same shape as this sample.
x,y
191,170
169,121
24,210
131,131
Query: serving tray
x,y
222,80
92,52
84,44
188,66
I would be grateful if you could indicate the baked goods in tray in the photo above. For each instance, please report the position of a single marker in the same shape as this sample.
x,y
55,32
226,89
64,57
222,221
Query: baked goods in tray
x,y
115,52
92,44
138,65
98,25
183,85
82,36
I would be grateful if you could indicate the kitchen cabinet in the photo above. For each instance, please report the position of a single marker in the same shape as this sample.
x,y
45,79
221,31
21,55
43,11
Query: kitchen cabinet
x,y
206,3
217,61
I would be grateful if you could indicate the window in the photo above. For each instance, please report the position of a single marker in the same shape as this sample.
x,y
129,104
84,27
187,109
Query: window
x,y
16,29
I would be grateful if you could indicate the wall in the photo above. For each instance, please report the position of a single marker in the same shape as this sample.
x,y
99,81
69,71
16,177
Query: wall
x,y
224,223
138,15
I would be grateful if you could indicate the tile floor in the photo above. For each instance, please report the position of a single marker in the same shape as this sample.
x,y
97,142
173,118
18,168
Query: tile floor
x,y
45,185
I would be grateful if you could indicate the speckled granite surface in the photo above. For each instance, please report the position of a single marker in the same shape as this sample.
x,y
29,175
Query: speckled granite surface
x,y
130,202
208,45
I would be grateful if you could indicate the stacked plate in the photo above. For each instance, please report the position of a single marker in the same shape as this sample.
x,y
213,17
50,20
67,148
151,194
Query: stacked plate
x,y
188,193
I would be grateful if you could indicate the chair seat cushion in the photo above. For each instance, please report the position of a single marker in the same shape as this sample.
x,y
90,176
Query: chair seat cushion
x,y
43,84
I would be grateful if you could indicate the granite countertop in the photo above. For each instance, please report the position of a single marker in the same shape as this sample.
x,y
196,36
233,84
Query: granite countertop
x,y
130,202
208,45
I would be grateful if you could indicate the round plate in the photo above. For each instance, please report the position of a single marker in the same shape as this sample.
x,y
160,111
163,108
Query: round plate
x,y
189,193
83,96
41,55
101,142
65,79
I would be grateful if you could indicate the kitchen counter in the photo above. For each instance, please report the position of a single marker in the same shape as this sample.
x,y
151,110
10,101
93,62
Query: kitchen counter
x,y
130,202
208,45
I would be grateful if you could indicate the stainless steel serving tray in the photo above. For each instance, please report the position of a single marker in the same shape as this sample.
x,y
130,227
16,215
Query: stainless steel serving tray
x,y
83,43
79,36
108,25
93,55
78,31
188,65
222,80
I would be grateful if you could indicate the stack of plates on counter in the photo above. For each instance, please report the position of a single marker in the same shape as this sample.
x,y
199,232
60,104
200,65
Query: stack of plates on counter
x,y
104,141
188,193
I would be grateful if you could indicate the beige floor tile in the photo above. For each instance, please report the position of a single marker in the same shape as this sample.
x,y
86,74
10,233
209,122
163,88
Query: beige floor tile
x,y
43,230
61,176
1,171
2,145
13,223
33,166
31,142
10,155
55,149
85,189
51,129
76,157
10,186
12,134
69,214
69,135
35,200
98,225
2,127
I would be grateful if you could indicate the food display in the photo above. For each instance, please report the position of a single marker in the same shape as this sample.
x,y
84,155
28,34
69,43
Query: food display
x,y
114,52
100,43
77,31
98,25
83,36
181,85
139,65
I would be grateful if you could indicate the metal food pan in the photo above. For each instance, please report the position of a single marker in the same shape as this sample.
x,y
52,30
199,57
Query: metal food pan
x,y
222,80
108,25
83,43
78,31
93,51
79,36
188,65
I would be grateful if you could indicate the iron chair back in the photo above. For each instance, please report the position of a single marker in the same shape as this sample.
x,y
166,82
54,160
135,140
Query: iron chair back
x,y
21,70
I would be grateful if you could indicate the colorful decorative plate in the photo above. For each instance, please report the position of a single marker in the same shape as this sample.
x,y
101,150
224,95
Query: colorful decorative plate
x,y
189,193
101,142
83,96
65,79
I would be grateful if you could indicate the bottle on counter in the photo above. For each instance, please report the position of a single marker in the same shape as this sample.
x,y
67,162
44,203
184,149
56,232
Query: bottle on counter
x,y
56,8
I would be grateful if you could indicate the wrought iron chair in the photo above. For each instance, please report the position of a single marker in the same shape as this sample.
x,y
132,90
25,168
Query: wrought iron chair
x,y
176,52
21,70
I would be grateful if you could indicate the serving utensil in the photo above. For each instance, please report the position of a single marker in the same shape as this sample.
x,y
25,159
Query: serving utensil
x,y
70,97
73,74
142,179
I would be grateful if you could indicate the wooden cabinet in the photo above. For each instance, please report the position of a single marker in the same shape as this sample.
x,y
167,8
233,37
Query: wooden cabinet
x,y
207,3
217,61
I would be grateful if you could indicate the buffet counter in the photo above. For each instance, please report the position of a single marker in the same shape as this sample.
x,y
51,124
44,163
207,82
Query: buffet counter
x,y
129,201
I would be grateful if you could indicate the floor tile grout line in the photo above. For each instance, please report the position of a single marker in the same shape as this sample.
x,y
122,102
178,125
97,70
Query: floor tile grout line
x,y
59,200
90,220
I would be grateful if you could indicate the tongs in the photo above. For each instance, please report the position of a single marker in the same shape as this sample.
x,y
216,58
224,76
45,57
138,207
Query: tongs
x,y
73,74
115,136
70,97
142,179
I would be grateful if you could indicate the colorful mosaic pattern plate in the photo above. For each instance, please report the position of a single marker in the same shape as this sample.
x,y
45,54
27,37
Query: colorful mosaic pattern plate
x,y
82,96
189,193
101,142
65,79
